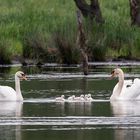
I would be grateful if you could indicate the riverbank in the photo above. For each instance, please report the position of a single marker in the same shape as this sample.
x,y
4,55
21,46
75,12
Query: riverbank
x,y
38,32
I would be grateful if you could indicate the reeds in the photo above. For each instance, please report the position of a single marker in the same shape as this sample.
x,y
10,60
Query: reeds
x,y
32,27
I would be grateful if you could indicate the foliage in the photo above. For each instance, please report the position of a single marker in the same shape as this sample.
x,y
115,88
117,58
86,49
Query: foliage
x,y
68,53
4,53
34,46
32,28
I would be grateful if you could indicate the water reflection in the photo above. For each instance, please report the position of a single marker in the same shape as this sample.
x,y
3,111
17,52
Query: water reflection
x,y
126,134
125,108
79,108
74,108
84,85
10,132
60,108
10,109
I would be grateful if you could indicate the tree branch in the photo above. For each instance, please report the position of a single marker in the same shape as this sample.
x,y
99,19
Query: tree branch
x,y
91,10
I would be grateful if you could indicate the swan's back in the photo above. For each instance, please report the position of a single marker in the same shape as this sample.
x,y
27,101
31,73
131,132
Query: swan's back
x,y
131,92
7,93
125,90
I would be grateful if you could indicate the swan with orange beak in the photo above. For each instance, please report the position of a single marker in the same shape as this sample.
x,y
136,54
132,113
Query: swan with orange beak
x,y
8,93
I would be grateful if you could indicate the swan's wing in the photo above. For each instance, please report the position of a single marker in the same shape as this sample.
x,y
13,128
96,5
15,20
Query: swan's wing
x,y
7,93
128,83
131,92
136,81
137,86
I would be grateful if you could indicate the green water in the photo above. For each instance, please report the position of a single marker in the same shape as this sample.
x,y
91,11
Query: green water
x,y
41,117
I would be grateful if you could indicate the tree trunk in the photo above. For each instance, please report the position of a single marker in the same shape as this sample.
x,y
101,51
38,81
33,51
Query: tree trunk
x,y
91,10
81,43
135,12
85,62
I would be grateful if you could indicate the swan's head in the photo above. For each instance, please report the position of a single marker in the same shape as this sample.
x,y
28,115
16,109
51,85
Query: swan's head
x,y
82,96
62,96
89,95
86,95
116,72
21,75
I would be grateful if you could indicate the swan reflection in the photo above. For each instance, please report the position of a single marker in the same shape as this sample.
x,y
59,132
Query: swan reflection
x,y
74,108
126,109
10,109
80,108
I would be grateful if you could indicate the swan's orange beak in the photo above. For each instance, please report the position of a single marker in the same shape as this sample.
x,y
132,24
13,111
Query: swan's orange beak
x,y
24,77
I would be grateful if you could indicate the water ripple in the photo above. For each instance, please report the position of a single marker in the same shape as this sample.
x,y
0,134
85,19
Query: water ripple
x,y
49,100
76,75
72,121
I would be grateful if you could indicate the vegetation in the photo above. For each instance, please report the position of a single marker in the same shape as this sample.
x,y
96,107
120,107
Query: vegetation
x,y
45,31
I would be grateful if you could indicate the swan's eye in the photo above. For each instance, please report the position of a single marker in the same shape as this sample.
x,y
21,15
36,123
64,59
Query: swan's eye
x,y
113,72
22,74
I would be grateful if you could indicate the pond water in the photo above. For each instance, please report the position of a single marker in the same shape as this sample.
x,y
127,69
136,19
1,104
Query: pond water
x,y
41,117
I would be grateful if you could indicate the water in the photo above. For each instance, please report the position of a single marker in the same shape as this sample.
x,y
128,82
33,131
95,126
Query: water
x,y
41,117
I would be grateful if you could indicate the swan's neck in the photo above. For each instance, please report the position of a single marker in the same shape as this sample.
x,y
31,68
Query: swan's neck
x,y
118,88
120,83
17,88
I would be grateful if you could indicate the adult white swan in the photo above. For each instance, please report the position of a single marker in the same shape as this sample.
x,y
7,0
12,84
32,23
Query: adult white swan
x,y
9,94
125,89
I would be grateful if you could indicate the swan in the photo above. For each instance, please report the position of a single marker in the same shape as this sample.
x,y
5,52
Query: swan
x,y
80,98
88,98
9,94
61,98
125,89
71,98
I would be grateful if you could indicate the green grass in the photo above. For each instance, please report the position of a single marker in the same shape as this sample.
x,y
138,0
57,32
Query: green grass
x,y
29,27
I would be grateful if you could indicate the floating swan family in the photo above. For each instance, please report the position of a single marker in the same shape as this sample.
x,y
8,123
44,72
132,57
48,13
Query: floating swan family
x,y
81,98
123,90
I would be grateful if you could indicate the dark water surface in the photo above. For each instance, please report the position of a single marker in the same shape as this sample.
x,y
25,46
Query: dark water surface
x,y
41,117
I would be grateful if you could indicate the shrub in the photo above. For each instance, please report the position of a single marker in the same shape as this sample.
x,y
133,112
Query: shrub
x,y
97,50
5,56
34,46
68,53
